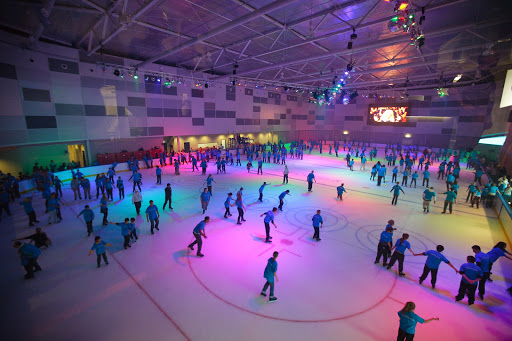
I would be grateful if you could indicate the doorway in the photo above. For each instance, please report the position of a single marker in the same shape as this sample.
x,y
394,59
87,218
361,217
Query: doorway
x,y
76,153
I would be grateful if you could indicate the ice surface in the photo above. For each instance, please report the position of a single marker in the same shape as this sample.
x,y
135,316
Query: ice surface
x,y
327,290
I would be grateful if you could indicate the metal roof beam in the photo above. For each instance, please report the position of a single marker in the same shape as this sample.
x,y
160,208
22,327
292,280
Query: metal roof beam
x,y
45,14
221,29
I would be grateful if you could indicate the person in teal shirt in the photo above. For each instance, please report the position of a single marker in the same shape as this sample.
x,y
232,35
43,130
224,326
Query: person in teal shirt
x,y
125,231
205,199
434,259
120,187
399,255
414,178
471,274
28,255
209,181
318,222
394,174
158,172
199,232
340,190
385,243
428,196
405,177
281,198
311,178
99,247
152,216
270,274
451,197
29,210
408,322
262,187
88,217
426,177
396,192
227,204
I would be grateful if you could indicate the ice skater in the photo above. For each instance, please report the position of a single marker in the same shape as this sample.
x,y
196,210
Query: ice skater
x,y
399,254
311,178
29,210
428,196
471,274
88,217
262,187
341,190
269,218
434,259
260,166
285,174
137,201
168,196
483,261
125,231
28,255
133,233
451,198
227,204
408,322
281,199
199,232
396,192
318,223
205,199
270,274
208,182
158,172
152,216
385,243
104,208
241,208
99,247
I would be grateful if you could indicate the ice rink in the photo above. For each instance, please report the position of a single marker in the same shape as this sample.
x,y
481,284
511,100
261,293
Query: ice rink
x,y
327,290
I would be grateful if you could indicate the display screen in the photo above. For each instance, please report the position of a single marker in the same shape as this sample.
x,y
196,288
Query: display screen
x,y
388,115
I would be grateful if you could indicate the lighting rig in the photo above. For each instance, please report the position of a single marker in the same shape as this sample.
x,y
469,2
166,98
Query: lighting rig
x,y
405,21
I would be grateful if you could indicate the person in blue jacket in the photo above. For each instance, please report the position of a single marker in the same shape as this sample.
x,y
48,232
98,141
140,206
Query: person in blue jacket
x,y
152,216
99,247
270,274
158,172
88,217
281,198
381,174
471,274
408,322
340,190
28,255
227,204
434,259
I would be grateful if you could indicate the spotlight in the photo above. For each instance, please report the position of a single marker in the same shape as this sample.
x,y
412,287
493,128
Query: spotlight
x,y
153,79
422,18
117,73
146,78
233,82
206,85
354,95
353,35
457,78
345,100
235,66
349,67
104,69
420,41
349,45
122,74
158,79
401,5
135,76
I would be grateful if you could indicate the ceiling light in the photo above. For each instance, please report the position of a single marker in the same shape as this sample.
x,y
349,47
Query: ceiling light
x,y
117,73
353,35
402,4
457,78
349,45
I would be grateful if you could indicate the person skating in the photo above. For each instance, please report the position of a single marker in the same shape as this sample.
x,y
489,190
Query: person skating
x,y
270,274
269,218
408,322
199,232
318,222
434,259
99,247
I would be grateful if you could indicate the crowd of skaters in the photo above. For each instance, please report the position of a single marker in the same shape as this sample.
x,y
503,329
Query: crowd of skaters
x,y
406,157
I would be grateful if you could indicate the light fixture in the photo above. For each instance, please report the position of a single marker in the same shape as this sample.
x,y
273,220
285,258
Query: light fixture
x,y
345,132
349,45
353,35
117,73
354,95
408,136
345,100
135,76
422,18
457,78
235,66
401,5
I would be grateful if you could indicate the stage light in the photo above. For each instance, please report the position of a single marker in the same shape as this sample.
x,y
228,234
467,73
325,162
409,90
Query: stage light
x,y
402,4
117,73
345,132
408,136
158,80
353,35
146,78
422,18
420,41
153,79
349,68
349,45
135,76
457,78
345,100
354,95
206,85
235,66
122,74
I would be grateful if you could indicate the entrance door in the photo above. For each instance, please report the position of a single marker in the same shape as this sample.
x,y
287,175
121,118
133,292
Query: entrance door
x,y
186,146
